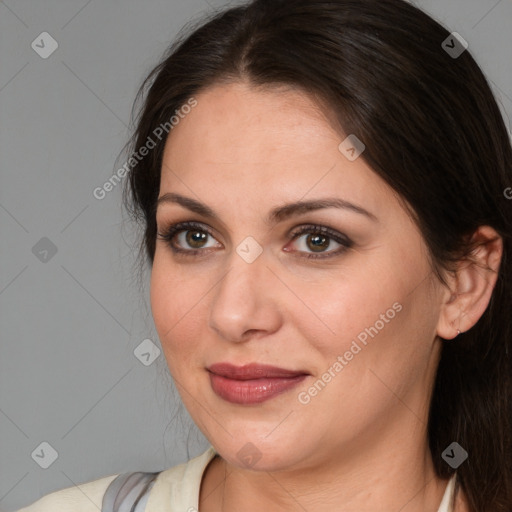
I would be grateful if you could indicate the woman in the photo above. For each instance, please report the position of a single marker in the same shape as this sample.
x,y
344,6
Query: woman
x,y
323,196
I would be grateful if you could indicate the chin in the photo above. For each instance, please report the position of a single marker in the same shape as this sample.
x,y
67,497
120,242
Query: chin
x,y
250,454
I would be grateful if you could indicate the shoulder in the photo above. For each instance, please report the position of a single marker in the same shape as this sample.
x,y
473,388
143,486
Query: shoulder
x,y
177,488
460,501
178,484
86,497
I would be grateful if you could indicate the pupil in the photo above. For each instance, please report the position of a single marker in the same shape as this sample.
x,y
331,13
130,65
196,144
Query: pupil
x,y
315,239
194,240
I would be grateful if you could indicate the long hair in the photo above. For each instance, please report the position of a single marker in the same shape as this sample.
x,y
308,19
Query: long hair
x,y
433,132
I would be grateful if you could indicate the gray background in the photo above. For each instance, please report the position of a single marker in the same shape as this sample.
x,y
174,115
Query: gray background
x,y
70,324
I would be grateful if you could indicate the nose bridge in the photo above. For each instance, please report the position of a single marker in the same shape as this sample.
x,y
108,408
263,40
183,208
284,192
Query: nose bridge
x,y
240,284
243,298
247,267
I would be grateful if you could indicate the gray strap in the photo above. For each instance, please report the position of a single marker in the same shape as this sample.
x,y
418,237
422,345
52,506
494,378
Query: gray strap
x,y
127,491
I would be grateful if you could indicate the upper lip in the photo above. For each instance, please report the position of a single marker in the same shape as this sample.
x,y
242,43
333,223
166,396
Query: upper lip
x,y
252,371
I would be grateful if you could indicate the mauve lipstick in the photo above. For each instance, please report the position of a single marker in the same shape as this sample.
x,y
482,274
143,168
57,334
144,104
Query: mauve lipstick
x,y
252,383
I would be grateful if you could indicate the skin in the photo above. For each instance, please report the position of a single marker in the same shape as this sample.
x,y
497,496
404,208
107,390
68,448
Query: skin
x,y
360,443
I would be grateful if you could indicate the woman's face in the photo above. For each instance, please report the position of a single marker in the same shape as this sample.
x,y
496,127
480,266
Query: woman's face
x,y
359,319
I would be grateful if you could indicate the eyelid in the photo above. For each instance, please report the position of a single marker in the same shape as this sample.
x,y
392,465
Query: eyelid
x,y
343,240
319,228
170,232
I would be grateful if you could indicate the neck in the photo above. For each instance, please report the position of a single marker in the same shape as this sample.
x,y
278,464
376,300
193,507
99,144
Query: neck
x,y
400,477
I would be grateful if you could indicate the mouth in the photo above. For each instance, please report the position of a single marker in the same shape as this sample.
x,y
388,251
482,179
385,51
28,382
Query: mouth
x,y
253,383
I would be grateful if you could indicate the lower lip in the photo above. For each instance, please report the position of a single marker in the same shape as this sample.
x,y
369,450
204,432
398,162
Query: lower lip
x,y
252,391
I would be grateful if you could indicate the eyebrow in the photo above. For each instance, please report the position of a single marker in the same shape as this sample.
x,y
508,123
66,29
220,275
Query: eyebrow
x,y
277,214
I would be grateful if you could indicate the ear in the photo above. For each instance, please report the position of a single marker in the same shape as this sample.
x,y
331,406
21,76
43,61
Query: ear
x,y
470,288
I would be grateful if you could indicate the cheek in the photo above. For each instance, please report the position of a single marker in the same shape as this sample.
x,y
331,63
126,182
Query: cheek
x,y
162,297
172,293
372,314
175,304
348,304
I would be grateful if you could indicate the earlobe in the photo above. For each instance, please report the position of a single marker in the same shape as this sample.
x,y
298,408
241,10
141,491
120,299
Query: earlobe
x,y
470,289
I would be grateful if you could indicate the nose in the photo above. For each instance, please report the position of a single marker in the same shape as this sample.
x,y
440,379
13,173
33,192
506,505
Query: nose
x,y
245,303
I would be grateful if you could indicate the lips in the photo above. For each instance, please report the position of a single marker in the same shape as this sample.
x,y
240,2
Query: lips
x,y
253,371
253,383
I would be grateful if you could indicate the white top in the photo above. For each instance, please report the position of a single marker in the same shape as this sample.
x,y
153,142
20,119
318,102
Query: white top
x,y
175,490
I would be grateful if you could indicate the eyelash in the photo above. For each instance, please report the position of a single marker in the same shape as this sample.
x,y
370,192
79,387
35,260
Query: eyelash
x,y
171,231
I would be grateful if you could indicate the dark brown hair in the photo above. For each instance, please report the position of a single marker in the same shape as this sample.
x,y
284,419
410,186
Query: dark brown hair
x,y
433,132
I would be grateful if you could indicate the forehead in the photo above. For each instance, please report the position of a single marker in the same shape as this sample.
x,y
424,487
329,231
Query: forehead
x,y
259,144
239,120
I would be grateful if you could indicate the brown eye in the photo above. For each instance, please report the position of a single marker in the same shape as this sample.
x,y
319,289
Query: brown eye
x,y
319,239
318,242
195,236
189,238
